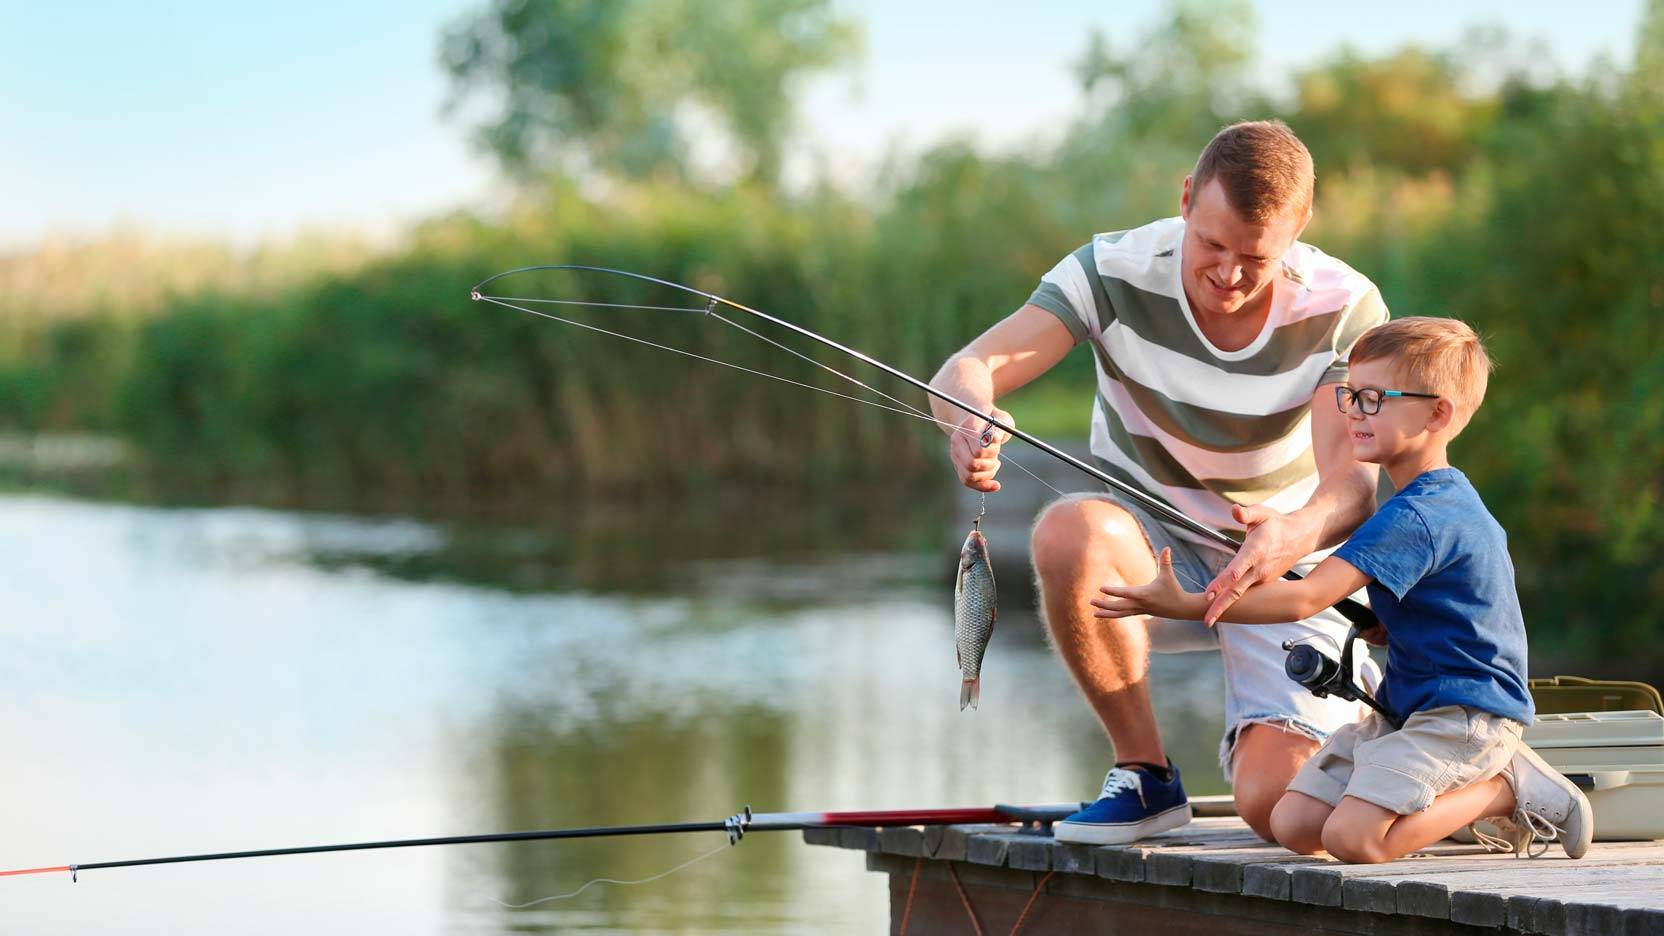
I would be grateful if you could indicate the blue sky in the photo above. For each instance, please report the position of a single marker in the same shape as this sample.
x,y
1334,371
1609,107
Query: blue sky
x,y
250,121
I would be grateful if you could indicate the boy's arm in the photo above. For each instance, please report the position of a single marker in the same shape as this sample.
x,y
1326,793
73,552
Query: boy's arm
x,y
1275,602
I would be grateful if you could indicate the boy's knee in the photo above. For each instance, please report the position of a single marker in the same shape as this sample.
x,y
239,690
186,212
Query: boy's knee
x,y
1295,826
1341,842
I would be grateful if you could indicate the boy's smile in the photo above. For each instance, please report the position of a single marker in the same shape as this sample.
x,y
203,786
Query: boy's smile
x,y
1403,431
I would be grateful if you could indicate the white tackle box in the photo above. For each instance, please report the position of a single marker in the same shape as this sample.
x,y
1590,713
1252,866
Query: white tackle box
x,y
1616,757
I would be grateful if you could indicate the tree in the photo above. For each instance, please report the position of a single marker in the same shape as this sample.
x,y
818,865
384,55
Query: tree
x,y
622,87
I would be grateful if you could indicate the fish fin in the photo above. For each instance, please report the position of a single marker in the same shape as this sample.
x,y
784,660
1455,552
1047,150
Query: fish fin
x,y
970,691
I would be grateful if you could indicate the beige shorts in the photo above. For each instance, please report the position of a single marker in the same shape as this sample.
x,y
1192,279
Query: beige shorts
x,y
1436,751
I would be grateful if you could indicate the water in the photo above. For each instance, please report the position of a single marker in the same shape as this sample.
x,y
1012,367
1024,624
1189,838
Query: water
x,y
194,680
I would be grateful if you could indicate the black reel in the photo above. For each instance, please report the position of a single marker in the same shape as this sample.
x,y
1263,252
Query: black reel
x,y
1326,676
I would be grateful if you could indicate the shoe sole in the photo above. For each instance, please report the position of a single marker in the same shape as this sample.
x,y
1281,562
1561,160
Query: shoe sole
x,y
1120,833
1577,835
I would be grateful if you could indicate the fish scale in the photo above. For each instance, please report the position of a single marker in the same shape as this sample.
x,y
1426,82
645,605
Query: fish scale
x,y
973,615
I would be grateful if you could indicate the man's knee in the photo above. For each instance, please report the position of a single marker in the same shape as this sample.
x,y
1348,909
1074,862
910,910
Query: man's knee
x,y
1265,760
1256,799
1076,534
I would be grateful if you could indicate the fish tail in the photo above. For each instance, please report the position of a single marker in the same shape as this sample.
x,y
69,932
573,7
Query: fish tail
x,y
970,691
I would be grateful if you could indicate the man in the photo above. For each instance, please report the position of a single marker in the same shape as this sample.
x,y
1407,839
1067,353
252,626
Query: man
x,y
1218,337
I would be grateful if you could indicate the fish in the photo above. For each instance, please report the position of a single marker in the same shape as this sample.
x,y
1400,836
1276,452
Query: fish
x,y
973,615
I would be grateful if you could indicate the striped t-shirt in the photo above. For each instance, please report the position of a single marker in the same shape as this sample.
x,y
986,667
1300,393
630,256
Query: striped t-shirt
x,y
1182,420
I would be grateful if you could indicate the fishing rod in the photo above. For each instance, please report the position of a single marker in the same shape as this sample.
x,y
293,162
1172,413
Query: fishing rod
x,y
735,826
1359,614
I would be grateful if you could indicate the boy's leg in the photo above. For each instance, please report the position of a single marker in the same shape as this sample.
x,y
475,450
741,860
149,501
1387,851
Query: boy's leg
x,y
1361,832
1297,822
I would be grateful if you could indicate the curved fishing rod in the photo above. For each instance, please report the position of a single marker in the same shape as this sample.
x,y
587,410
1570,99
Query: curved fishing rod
x,y
1353,611
735,826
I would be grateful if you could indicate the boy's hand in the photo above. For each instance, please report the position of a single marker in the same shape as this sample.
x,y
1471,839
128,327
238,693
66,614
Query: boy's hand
x,y
1271,545
1162,596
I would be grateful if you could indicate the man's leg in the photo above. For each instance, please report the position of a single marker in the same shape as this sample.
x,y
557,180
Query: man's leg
x,y
1265,759
1078,545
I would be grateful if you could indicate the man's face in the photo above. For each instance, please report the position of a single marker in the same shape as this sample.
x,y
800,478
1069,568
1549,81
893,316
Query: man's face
x,y
1229,262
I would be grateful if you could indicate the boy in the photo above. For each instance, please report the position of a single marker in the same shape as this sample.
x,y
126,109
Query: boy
x,y
1437,570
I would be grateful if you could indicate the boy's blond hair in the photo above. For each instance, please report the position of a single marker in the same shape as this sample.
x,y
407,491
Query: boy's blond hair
x,y
1433,355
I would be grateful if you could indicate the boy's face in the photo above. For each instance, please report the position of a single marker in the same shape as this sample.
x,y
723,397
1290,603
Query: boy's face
x,y
1402,423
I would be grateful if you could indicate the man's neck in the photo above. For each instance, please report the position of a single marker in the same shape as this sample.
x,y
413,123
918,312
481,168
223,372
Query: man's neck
x,y
1233,331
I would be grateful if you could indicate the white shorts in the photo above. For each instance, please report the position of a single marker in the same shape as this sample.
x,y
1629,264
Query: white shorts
x,y
1257,690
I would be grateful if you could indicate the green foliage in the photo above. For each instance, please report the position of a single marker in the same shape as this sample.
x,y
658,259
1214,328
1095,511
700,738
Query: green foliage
x,y
622,87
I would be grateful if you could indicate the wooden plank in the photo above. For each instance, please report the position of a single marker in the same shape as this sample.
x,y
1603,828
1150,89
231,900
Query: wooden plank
x,y
821,837
1074,859
1617,888
858,837
1032,853
951,844
1122,863
902,840
991,848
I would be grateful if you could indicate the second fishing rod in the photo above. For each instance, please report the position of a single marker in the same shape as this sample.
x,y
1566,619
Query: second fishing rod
x,y
1355,612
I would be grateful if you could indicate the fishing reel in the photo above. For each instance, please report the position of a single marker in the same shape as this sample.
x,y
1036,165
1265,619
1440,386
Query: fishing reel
x,y
1326,676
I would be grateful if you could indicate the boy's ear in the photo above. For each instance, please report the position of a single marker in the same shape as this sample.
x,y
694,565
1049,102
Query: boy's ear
x,y
1444,413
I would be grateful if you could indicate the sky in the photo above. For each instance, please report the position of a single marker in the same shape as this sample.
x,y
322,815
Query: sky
x,y
253,121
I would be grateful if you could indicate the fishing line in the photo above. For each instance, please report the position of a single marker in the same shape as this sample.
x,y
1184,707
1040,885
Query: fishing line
x,y
911,410
1357,613
646,880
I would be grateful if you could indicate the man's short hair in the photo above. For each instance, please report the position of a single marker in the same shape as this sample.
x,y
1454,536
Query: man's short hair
x,y
1433,355
1263,167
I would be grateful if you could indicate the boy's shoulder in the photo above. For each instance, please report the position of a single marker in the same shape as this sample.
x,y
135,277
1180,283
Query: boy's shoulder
x,y
1457,525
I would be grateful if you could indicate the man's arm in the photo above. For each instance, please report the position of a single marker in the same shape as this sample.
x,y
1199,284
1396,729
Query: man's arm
x,y
1345,498
1019,348
1275,602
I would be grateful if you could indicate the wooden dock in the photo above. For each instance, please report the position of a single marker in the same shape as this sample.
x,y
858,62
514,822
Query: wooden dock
x,y
1214,876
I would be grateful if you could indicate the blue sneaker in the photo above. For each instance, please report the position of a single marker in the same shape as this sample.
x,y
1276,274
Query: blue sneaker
x,y
1134,804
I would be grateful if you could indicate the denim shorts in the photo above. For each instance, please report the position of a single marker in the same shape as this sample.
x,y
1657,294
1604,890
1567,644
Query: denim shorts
x,y
1257,690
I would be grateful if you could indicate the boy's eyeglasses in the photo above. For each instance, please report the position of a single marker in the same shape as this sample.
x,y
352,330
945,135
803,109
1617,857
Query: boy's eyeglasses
x,y
1369,399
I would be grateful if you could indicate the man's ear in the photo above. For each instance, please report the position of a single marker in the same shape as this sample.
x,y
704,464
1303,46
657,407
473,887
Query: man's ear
x,y
1304,223
1184,199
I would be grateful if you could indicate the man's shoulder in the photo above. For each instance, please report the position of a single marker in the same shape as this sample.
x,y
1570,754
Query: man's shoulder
x,y
1142,256
1325,281
1158,238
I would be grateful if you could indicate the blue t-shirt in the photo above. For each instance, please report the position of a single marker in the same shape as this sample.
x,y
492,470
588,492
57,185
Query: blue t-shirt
x,y
1444,588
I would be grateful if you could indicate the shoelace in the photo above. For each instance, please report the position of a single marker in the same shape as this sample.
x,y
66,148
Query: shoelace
x,y
1492,843
1542,831
1121,779
1527,833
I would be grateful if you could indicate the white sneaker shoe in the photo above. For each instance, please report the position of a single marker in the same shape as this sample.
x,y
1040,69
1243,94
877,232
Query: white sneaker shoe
x,y
1547,808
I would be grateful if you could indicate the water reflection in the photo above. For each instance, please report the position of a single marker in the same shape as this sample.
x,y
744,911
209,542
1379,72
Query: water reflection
x,y
187,680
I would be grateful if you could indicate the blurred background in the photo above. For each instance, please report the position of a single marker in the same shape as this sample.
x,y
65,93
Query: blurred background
x,y
300,544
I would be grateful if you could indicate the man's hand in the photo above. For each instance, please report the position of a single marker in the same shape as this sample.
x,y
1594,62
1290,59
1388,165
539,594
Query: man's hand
x,y
974,449
1275,542
1162,596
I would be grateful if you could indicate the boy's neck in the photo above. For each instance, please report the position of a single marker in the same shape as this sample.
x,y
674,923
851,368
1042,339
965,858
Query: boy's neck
x,y
1410,465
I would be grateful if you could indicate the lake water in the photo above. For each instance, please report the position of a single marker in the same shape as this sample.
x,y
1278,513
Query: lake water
x,y
207,679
